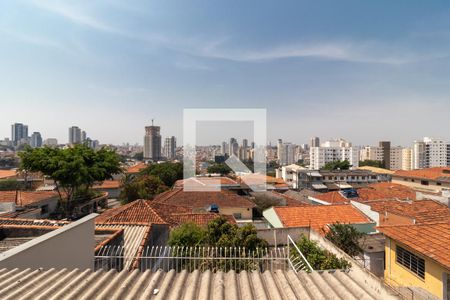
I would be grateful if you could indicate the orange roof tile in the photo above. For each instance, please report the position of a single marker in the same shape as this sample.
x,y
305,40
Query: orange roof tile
x,y
136,168
376,191
202,199
136,212
7,174
422,211
24,198
108,184
318,216
289,200
430,240
430,173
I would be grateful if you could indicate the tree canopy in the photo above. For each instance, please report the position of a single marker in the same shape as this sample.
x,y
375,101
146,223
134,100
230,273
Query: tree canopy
x,y
337,165
140,187
318,258
371,163
346,237
168,172
74,170
222,169
218,233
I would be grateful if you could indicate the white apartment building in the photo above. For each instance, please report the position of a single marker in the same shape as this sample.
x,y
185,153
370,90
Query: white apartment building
x,y
371,153
333,151
396,158
429,153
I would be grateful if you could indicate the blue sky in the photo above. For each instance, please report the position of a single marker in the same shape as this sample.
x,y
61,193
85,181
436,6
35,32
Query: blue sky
x,y
360,70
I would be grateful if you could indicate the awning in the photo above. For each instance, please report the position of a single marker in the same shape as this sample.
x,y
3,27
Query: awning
x,y
332,186
314,174
319,186
344,185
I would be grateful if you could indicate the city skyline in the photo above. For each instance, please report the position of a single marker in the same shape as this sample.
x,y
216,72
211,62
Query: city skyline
x,y
348,69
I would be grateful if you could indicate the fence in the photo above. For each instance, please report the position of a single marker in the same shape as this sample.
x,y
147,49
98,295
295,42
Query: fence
x,y
203,258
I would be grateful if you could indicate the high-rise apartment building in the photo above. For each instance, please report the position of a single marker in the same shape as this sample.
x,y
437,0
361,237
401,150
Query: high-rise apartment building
x,y
386,148
36,140
286,153
83,136
233,147
74,135
333,151
224,149
406,159
315,142
170,145
51,142
19,131
152,142
429,153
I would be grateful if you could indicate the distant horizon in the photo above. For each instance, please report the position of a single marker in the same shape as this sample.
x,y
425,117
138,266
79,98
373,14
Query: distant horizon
x,y
363,71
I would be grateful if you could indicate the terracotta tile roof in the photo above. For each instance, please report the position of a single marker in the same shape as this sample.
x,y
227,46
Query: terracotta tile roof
x,y
422,211
201,219
431,173
318,216
203,199
290,201
7,174
136,212
376,191
136,168
108,184
24,198
430,240
376,170
253,178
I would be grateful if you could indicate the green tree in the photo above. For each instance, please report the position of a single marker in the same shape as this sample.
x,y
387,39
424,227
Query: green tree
x,y
222,169
187,235
318,258
74,170
139,156
346,237
168,172
140,187
371,163
337,165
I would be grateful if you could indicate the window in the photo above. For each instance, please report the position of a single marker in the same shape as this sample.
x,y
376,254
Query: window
x,y
424,182
412,262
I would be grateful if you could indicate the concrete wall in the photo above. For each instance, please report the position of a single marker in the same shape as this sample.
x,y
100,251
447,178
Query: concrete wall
x,y
246,213
367,210
271,216
360,274
7,207
71,246
278,236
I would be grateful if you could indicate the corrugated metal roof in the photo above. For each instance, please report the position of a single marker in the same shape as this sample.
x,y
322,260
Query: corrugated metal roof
x,y
134,235
78,284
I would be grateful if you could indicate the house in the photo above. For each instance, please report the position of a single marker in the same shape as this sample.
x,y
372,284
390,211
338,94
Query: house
x,y
226,202
112,187
430,180
318,217
290,174
45,201
375,191
135,169
418,256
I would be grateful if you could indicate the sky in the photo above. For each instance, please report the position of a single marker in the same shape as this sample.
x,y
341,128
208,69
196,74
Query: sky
x,y
361,70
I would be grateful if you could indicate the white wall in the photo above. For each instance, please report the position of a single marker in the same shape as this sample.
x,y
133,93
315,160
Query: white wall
x,y
71,246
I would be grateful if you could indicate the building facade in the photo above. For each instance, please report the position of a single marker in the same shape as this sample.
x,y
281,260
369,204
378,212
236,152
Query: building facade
x,y
74,135
36,140
333,151
430,153
170,146
19,132
152,143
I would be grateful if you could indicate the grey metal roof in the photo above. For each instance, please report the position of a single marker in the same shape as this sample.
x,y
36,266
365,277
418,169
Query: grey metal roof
x,y
78,284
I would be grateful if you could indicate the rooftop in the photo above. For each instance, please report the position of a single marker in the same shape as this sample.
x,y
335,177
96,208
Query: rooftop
x,y
318,216
375,191
203,199
136,168
108,184
24,198
7,174
86,284
376,170
430,240
438,173
422,211
207,182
